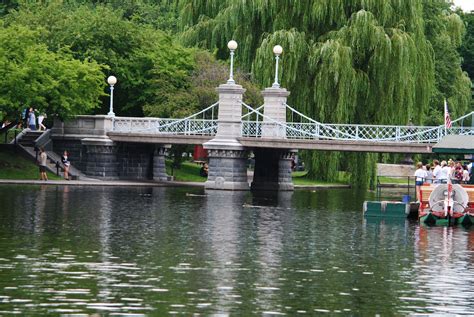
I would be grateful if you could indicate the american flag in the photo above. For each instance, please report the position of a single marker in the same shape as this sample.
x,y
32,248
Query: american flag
x,y
447,118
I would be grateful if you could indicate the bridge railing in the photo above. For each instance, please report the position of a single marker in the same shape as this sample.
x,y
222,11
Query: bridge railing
x,y
312,129
203,122
165,126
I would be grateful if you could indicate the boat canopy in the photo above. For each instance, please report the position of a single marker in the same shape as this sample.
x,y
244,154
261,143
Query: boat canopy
x,y
455,144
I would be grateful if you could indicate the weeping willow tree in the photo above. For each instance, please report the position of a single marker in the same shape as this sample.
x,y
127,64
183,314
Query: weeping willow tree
x,y
344,61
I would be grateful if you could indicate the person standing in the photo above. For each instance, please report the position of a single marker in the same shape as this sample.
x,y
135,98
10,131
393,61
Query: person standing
x,y
429,174
41,118
465,175
32,119
444,173
436,171
420,177
43,157
66,164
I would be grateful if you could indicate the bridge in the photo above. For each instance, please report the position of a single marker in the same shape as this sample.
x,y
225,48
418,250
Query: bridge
x,y
307,134
122,147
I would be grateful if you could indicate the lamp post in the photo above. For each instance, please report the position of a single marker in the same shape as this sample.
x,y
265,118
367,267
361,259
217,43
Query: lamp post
x,y
277,50
232,45
112,80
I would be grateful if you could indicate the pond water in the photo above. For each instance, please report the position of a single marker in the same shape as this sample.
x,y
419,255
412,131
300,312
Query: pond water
x,y
159,251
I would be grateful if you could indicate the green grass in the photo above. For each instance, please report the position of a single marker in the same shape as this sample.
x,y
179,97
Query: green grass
x,y
299,178
10,134
394,180
15,166
188,172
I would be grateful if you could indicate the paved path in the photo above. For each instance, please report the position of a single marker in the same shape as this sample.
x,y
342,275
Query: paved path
x,y
125,183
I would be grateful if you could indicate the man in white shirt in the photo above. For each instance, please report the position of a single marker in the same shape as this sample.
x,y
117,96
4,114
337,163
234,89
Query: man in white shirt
x,y
444,174
436,171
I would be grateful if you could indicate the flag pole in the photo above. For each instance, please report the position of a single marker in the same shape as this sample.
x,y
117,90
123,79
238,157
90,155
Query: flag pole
x,y
445,111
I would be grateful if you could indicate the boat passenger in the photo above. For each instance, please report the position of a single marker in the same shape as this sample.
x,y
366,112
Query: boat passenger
x,y
444,173
429,174
420,176
465,175
436,171
458,173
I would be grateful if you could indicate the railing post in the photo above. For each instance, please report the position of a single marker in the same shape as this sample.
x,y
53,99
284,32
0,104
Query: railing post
x,y
357,132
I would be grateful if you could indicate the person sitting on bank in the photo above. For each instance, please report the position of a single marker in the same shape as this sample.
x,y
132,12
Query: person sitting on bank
x,y
420,176
204,170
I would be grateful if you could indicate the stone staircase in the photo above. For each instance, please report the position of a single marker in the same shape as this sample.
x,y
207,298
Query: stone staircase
x,y
27,140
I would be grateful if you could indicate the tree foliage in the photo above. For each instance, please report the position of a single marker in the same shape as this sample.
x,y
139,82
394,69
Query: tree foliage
x,y
345,61
31,75
156,75
467,47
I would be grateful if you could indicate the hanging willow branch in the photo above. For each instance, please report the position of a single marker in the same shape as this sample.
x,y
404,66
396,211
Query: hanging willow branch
x,y
358,61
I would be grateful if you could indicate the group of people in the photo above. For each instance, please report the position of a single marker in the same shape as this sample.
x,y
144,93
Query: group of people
x,y
441,173
438,173
42,161
30,120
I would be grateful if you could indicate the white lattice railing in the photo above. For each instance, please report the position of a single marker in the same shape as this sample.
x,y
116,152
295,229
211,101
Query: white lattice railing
x,y
256,124
202,123
309,128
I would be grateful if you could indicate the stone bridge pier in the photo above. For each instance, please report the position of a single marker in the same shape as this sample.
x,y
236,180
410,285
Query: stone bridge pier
x,y
227,156
273,166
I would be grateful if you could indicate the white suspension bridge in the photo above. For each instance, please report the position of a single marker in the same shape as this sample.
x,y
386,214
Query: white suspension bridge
x,y
302,133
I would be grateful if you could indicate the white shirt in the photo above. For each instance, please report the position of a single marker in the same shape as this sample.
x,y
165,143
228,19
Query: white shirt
x,y
420,175
437,171
444,172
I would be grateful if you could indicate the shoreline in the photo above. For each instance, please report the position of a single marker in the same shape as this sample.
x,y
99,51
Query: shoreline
x,y
134,183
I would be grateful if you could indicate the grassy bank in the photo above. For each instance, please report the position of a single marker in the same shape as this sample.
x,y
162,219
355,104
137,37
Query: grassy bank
x,y
188,172
300,178
15,166
8,136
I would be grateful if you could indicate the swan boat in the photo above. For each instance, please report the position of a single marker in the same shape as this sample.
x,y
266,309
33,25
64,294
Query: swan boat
x,y
446,204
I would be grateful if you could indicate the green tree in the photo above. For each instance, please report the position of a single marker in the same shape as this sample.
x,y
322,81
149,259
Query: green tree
x,y
31,75
201,90
467,47
147,62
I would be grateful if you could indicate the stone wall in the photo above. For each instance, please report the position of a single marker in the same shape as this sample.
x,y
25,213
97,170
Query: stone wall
x,y
118,161
135,160
75,149
395,170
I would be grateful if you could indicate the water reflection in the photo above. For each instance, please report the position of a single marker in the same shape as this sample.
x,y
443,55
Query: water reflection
x,y
159,251
444,270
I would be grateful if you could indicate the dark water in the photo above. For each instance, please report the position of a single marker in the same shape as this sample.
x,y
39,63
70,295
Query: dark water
x,y
161,251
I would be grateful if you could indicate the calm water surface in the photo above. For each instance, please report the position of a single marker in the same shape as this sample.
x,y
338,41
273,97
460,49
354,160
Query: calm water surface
x,y
68,250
